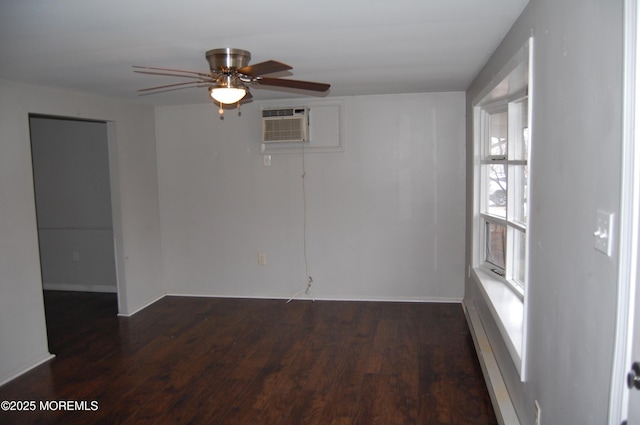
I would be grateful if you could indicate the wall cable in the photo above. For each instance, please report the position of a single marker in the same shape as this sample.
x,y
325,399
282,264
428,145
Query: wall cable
x,y
307,290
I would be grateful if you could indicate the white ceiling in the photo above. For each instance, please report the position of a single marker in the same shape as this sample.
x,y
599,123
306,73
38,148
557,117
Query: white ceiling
x,y
357,46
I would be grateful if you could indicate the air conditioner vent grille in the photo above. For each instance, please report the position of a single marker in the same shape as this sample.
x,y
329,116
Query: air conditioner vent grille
x,y
284,125
282,130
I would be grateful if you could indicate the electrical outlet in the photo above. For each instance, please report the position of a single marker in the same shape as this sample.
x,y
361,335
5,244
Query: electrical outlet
x,y
262,259
538,412
75,256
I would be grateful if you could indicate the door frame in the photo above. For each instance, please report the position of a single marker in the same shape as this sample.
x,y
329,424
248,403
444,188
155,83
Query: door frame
x,y
629,232
114,189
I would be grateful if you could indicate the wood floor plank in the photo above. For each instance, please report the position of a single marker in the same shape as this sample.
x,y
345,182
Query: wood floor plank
x,y
246,361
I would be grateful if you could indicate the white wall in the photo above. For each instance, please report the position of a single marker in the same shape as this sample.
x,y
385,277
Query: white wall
x,y
385,218
135,213
73,204
575,162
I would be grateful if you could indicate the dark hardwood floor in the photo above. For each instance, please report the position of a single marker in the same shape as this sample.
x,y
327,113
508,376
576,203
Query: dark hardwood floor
x,y
243,361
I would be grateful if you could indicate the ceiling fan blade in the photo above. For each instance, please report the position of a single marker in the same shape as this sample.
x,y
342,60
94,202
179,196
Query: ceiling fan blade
x,y
175,75
172,85
170,70
170,89
262,68
293,84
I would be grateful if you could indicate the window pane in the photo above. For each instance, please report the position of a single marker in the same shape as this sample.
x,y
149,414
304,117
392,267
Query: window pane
x,y
519,130
495,239
519,181
495,191
499,132
518,257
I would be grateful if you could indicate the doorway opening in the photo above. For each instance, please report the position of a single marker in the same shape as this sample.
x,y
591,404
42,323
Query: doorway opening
x,y
72,188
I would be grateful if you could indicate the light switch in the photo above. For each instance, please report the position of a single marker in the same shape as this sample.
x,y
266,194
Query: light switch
x,y
266,160
602,236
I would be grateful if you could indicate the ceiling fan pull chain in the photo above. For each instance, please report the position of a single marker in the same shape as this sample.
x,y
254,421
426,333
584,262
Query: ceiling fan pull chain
x,y
221,111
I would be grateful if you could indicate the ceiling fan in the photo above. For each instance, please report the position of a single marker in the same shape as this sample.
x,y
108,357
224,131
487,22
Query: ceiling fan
x,y
230,77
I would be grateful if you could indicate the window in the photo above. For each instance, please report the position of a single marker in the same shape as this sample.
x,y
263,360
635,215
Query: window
x,y
504,155
501,147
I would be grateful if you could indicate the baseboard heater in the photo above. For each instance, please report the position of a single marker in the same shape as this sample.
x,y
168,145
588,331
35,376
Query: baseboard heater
x,y
502,404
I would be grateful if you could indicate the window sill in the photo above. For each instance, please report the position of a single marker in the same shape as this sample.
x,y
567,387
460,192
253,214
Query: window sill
x,y
507,309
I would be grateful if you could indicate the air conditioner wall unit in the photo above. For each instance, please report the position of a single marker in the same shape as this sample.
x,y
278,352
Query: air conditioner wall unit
x,y
285,125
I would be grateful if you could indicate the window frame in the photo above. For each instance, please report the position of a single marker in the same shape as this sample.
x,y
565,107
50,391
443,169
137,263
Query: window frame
x,y
483,114
505,303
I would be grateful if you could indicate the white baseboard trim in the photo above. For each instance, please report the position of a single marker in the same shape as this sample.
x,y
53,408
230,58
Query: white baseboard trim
x,y
305,297
129,314
26,369
502,404
109,289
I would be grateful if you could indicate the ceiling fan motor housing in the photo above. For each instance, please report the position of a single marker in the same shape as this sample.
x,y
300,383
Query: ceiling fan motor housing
x,y
227,59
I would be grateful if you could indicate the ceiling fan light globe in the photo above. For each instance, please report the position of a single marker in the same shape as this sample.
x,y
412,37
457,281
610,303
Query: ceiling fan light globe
x,y
227,95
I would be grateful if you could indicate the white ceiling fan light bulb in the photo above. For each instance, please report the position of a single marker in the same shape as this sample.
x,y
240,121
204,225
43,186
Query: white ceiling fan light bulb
x,y
228,90
228,95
